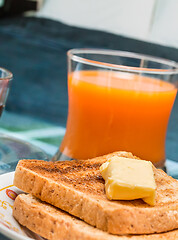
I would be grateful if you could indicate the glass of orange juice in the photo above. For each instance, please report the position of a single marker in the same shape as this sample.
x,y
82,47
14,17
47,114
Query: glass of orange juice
x,y
118,101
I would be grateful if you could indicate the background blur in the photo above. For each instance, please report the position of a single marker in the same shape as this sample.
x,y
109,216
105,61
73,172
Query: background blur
x,y
34,39
153,21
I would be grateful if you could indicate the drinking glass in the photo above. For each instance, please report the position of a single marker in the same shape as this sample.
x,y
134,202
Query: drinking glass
x,y
118,101
13,149
5,79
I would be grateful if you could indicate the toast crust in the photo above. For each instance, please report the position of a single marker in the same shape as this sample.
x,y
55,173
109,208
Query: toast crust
x,y
54,224
77,187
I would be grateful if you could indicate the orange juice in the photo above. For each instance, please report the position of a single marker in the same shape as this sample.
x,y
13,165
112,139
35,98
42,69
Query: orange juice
x,y
111,111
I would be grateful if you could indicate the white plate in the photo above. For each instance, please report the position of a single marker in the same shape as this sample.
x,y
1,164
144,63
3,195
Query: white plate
x,y
8,225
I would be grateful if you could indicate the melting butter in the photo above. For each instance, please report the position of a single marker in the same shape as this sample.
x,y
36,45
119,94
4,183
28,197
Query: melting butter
x,y
129,179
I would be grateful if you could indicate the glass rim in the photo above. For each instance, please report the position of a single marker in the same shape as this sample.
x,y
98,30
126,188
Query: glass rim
x,y
9,74
72,53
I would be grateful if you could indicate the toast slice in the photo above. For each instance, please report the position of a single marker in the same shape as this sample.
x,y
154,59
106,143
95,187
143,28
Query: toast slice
x,y
77,187
55,224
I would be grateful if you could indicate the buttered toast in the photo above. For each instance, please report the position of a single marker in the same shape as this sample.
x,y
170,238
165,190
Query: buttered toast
x,y
55,224
77,187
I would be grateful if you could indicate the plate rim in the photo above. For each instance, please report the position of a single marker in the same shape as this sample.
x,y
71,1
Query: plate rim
x,y
12,234
8,232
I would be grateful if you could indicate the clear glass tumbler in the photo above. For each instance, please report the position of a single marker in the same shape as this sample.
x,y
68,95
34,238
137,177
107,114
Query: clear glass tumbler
x,y
5,79
118,101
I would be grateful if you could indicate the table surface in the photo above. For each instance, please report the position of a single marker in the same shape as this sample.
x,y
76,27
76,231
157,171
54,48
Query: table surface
x,y
2,237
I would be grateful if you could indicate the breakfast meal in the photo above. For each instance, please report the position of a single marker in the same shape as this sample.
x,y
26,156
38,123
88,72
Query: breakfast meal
x,y
69,199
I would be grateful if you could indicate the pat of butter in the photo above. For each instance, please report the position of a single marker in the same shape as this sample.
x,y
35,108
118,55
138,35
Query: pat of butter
x,y
128,179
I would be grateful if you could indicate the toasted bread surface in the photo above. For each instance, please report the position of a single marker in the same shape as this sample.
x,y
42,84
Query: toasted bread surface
x,y
54,224
78,188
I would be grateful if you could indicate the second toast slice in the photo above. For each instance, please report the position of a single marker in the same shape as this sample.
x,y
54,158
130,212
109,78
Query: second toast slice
x,y
55,224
